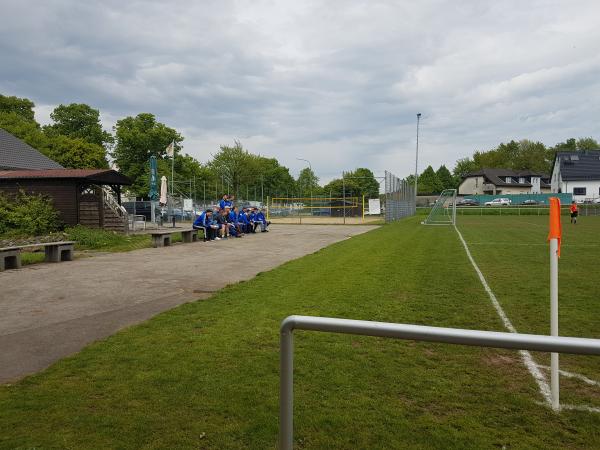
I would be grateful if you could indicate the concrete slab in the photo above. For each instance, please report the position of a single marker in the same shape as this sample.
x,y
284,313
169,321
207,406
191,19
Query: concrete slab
x,y
49,311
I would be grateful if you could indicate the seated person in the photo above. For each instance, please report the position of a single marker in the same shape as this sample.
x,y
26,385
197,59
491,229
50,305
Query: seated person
x,y
205,221
245,221
234,218
262,221
231,226
224,227
252,218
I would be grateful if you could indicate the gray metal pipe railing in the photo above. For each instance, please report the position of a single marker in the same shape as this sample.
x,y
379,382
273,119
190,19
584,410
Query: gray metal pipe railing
x,y
476,338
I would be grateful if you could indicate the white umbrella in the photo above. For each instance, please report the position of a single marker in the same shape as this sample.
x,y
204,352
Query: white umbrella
x,y
163,190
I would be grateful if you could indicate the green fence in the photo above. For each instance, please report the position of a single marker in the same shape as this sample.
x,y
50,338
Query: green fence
x,y
518,199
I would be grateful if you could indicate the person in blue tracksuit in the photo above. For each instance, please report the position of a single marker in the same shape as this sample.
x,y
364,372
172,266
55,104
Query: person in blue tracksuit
x,y
234,217
205,221
230,222
225,201
261,220
245,221
252,218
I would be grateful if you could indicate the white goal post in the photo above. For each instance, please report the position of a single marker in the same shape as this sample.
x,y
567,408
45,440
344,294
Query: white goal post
x,y
443,211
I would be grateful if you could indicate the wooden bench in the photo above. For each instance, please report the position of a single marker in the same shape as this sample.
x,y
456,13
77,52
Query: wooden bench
x,y
10,257
163,238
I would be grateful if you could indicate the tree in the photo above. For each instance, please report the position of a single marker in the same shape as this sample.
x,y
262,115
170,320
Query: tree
x,y
138,138
366,182
447,181
308,183
428,182
464,166
79,120
234,166
22,107
70,153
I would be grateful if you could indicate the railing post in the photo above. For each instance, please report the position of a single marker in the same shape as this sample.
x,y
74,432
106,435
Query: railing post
x,y
286,389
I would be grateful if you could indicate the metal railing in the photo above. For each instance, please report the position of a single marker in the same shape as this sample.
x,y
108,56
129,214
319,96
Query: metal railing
x,y
476,338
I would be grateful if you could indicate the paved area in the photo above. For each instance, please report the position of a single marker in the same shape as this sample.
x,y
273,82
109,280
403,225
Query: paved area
x,y
49,311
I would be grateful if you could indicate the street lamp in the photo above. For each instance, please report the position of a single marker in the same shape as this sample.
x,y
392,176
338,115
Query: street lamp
x,y
417,160
311,171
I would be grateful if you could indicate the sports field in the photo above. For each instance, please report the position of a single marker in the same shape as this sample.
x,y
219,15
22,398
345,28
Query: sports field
x,y
205,375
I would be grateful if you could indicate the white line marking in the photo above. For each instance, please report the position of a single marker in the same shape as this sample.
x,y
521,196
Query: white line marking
x,y
580,408
566,374
535,372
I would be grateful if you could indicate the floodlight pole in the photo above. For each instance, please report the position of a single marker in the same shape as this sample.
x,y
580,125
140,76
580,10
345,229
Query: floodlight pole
x,y
417,160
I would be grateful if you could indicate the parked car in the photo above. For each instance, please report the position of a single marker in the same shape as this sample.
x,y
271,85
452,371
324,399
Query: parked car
x,y
499,202
530,202
467,202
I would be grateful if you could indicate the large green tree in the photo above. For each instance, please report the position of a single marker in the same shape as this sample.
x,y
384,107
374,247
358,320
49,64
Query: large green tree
x,y
366,182
447,181
16,117
429,182
138,138
22,107
79,121
308,183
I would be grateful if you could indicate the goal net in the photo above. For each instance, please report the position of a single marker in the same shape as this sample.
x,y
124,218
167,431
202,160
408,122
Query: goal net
x,y
443,211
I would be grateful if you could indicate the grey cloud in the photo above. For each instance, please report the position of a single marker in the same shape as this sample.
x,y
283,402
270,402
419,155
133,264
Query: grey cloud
x,y
337,82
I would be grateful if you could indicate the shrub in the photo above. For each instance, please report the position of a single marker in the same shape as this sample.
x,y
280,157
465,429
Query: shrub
x,y
27,214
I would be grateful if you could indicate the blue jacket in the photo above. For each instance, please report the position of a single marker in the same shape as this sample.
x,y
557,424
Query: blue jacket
x,y
260,217
242,218
252,217
233,218
203,220
224,203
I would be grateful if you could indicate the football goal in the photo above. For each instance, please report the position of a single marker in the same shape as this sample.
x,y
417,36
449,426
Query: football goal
x,y
443,211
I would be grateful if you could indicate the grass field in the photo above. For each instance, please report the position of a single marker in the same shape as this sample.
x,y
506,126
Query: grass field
x,y
205,375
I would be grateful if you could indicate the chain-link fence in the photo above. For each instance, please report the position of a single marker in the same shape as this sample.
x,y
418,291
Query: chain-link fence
x,y
399,198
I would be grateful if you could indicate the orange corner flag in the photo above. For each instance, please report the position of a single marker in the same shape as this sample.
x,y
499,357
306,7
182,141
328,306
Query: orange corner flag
x,y
555,226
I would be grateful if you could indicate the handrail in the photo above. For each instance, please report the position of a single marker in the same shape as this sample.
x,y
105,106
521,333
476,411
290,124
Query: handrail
x,y
581,346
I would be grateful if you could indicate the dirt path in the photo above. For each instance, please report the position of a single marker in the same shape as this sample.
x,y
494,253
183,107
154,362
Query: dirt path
x,y
49,311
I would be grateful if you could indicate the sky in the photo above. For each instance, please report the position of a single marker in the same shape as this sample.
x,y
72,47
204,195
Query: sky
x,y
336,82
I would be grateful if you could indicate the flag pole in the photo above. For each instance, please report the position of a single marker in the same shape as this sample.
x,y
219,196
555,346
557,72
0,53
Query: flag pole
x,y
554,237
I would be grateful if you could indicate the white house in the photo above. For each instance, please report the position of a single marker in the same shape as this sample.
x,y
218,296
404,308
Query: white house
x,y
504,181
577,173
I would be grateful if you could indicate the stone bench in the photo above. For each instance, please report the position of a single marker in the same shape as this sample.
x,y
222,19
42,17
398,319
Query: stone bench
x,y
163,238
10,257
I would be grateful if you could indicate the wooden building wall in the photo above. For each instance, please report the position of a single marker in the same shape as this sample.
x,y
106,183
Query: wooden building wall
x,y
62,192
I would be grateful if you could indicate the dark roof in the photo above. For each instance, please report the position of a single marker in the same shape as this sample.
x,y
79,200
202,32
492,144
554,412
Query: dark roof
x,y
16,154
498,176
585,165
98,176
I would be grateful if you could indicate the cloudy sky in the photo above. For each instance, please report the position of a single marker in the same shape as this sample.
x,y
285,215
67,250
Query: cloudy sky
x,y
336,82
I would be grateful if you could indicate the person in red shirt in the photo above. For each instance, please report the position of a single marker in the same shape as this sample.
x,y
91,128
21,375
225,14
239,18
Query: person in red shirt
x,y
574,212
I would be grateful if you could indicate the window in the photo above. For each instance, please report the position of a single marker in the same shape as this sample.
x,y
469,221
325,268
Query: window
x,y
574,157
521,180
476,181
579,191
508,180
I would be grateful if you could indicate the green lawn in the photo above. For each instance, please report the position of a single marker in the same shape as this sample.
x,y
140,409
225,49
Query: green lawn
x,y
206,374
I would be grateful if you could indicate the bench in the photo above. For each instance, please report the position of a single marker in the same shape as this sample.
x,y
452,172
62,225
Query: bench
x,y
10,257
163,238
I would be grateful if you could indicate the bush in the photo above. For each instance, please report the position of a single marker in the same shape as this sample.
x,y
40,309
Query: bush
x,y
26,214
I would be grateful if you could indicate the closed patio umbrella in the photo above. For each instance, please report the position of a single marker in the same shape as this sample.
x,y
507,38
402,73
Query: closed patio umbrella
x,y
163,190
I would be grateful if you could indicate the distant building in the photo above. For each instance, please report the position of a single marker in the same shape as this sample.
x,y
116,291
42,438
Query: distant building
x,y
504,181
577,173
17,155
